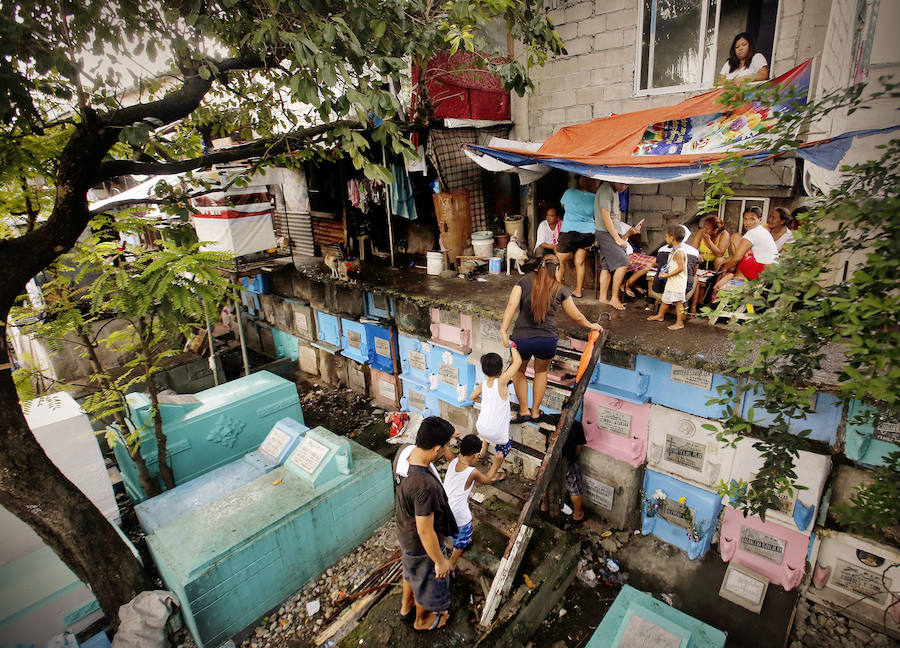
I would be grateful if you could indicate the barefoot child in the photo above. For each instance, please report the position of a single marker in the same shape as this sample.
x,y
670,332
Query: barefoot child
x,y
459,481
675,274
493,420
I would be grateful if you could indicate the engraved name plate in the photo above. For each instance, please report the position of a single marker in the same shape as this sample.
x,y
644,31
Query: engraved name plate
x,y
760,544
644,633
672,511
448,374
354,339
861,581
691,377
613,421
388,390
301,322
685,453
383,347
887,431
417,360
309,455
599,493
274,443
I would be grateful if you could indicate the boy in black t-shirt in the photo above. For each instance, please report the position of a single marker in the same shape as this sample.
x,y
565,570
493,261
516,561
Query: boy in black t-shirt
x,y
424,520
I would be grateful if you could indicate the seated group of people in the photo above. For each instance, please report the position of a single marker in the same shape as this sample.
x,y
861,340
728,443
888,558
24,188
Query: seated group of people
x,y
589,216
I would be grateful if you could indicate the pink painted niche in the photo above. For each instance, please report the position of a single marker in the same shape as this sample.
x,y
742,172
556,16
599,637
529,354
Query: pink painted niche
x,y
616,427
776,552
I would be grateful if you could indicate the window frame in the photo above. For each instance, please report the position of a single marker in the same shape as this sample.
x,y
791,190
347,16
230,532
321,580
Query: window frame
x,y
743,200
704,83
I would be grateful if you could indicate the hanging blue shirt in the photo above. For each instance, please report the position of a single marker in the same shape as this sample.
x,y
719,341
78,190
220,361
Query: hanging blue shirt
x,y
579,214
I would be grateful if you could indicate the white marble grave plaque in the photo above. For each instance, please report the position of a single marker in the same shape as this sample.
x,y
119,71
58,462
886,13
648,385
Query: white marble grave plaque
x,y
598,493
417,361
762,545
448,374
644,633
450,318
354,340
383,347
614,421
861,581
691,377
309,455
301,323
887,431
417,400
274,443
380,302
744,587
388,390
685,453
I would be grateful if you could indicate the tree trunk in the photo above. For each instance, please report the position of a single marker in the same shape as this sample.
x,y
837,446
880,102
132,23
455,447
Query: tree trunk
x,y
149,485
34,490
145,332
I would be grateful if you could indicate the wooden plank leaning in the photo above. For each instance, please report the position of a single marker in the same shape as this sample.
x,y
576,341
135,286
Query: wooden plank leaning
x,y
518,543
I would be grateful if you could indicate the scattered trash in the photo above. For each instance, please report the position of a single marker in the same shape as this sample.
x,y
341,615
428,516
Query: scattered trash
x,y
612,565
668,598
586,576
562,612
312,607
276,482
528,581
606,534
478,497
566,509
481,279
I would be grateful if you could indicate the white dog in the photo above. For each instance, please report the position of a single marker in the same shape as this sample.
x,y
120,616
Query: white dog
x,y
515,252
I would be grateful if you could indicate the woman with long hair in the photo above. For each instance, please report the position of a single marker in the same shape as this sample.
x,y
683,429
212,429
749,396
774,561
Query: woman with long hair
x,y
712,241
537,297
779,225
744,62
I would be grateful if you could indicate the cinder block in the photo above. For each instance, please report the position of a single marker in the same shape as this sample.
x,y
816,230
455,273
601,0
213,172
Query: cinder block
x,y
608,40
564,66
644,189
678,204
580,45
605,476
592,26
657,203
579,11
589,95
566,97
578,114
606,6
620,19
567,31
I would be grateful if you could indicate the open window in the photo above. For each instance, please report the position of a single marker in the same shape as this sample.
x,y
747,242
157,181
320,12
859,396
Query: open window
x,y
684,43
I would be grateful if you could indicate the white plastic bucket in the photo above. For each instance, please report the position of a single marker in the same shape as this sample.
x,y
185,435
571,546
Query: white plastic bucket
x,y
482,235
483,249
494,266
435,263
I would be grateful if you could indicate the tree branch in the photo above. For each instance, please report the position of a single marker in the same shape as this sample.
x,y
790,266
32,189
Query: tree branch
x,y
271,146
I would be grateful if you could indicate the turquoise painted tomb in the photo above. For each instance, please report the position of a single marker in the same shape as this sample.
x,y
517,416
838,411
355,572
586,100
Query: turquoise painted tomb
x,y
637,620
865,442
210,428
232,560
173,504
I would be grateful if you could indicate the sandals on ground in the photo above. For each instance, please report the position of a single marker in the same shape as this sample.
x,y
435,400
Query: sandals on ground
x,y
437,620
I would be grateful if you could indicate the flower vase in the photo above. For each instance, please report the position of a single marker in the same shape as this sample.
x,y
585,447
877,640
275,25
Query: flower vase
x,y
695,548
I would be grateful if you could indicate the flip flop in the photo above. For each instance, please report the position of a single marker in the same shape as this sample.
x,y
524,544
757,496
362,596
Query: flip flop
x,y
521,418
630,293
437,621
499,477
409,616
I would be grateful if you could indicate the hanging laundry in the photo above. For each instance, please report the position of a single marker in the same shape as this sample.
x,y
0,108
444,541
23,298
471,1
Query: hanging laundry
x,y
403,202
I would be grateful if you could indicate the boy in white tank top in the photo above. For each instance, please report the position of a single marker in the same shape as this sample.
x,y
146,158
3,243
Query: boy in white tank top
x,y
459,481
493,419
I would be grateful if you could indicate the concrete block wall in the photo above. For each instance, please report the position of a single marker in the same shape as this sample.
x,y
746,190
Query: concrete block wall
x,y
596,77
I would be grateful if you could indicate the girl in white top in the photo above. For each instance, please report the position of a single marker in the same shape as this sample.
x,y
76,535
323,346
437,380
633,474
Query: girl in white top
x,y
493,420
675,274
461,477
744,62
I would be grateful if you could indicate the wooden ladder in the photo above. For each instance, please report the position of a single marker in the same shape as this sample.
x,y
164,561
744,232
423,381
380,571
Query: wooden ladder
x,y
521,534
